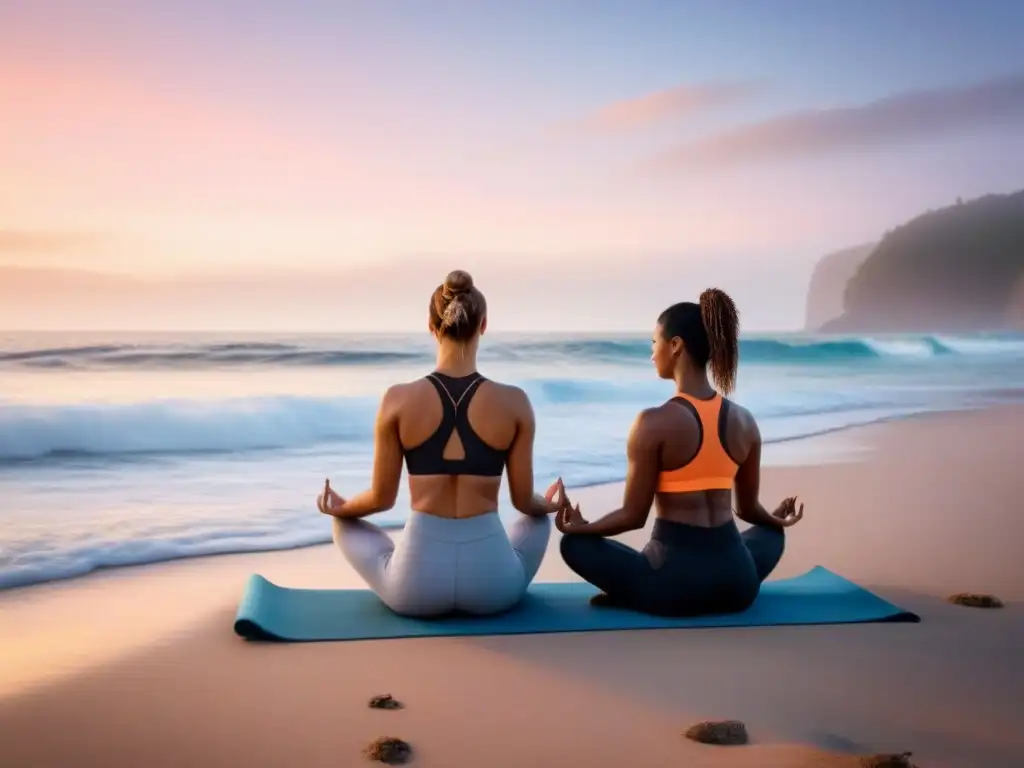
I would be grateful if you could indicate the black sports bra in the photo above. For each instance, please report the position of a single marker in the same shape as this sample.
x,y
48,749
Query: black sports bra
x,y
480,459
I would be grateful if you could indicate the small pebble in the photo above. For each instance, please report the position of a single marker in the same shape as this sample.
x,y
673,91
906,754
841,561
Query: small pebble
x,y
723,732
389,750
973,600
385,701
901,760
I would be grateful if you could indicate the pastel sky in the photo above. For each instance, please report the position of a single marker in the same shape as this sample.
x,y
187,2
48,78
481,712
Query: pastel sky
x,y
321,164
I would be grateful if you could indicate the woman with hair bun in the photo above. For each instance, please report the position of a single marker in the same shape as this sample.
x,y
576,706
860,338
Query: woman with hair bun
x,y
457,433
686,457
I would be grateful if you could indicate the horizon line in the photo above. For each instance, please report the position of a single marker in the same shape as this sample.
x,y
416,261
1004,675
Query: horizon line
x,y
308,332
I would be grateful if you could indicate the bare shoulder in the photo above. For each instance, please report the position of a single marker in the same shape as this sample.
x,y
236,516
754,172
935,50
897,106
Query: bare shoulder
x,y
647,434
742,418
399,394
511,395
652,422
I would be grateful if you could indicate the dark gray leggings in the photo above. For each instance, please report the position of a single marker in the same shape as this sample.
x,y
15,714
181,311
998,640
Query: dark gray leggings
x,y
684,570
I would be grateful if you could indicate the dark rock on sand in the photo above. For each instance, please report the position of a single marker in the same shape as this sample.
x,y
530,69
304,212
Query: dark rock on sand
x,y
390,750
385,701
973,600
901,760
723,732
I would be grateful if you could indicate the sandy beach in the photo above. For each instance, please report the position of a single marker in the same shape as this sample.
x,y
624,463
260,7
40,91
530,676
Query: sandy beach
x,y
140,666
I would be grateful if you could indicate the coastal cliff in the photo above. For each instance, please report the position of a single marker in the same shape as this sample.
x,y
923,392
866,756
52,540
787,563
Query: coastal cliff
x,y
956,269
828,284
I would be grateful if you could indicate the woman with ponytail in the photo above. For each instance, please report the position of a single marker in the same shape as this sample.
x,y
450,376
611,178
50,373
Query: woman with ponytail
x,y
686,457
457,433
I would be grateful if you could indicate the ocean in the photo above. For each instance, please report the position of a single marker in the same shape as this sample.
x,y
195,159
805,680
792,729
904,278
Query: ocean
x,y
124,449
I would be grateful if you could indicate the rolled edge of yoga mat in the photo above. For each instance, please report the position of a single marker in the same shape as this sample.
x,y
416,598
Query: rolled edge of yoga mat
x,y
258,591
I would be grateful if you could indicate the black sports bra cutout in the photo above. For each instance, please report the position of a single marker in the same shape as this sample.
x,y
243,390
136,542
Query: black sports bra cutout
x,y
479,458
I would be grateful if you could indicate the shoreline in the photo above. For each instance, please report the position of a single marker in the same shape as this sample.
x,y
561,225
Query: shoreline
x,y
140,666
842,451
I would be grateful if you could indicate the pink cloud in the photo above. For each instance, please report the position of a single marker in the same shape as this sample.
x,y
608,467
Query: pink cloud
x,y
682,101
909,116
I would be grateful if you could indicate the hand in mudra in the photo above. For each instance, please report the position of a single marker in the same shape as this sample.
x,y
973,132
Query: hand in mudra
x,y
329,502
788,513
568,517
547,501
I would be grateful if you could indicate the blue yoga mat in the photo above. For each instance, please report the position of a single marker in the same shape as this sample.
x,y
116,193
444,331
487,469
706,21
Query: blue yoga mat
x,y
270,612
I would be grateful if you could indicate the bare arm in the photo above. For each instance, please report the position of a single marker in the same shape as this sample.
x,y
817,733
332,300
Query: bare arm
x,y
748,487
520,463
643,448
387,465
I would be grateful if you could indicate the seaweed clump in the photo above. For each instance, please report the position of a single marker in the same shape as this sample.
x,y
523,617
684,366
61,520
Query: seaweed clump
x,y
900,760
389,750
973,600
722,732
385,701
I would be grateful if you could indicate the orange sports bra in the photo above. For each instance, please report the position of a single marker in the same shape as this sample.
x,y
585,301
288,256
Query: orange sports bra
x,y
712,468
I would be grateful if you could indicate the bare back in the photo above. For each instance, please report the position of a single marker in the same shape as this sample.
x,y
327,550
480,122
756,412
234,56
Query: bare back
x,y
498,415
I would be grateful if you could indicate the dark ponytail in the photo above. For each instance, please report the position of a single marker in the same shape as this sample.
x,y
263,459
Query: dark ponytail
x,y
721,322
710,331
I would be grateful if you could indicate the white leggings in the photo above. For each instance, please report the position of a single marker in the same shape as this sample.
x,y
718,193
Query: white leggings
x,y
443,565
